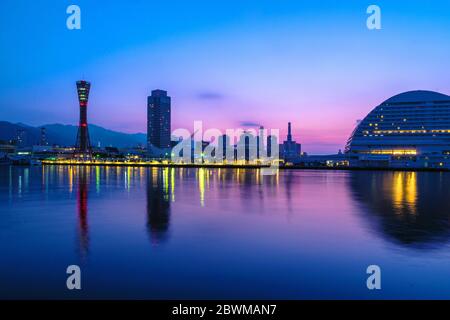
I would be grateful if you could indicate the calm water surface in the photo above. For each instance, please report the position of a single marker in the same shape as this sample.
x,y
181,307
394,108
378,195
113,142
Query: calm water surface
x,y
222,233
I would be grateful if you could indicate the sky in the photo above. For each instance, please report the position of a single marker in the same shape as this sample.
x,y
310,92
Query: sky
x,y
229,63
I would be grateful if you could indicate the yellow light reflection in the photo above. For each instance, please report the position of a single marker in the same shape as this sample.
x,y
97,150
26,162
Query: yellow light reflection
x,y
97,178
166,183
201,185
172,184
404,192
70,179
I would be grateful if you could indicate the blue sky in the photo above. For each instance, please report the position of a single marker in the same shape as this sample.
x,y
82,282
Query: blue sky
x,y
227,63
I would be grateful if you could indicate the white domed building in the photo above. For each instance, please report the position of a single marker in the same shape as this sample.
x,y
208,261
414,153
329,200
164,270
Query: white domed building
x,y
409,129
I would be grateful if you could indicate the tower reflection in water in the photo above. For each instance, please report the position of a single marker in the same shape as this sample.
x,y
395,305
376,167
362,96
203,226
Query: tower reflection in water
x,y
409,208
82,207
160,192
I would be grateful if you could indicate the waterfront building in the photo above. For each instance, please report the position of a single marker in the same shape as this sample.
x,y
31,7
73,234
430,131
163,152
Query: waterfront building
x,y
408,124
7,148
158,124
271,141
290,149
260,147
246,149
225,151
408,131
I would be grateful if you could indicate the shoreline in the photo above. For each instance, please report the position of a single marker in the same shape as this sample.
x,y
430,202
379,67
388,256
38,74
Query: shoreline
x,y
244,166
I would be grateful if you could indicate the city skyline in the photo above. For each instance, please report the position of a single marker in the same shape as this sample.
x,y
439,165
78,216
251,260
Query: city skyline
x,y
260,65
226,158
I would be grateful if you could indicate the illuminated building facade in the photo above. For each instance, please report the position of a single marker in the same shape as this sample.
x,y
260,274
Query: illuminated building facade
x,y
246,148
260,147
225,150
158,124
409,124
271,142
83,144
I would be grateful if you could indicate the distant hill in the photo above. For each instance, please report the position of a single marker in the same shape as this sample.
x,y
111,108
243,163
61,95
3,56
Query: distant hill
x,y
65,135
10,131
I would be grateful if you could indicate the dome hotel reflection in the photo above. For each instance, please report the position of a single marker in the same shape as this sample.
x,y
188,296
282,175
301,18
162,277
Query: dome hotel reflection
x,y
411,129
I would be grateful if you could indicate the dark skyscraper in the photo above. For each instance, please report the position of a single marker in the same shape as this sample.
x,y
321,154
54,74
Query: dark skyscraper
x,y
224,149
158,124
290,149
289,135
83,143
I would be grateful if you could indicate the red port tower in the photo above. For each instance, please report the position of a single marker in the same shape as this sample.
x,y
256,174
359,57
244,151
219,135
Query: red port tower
x,y
83,144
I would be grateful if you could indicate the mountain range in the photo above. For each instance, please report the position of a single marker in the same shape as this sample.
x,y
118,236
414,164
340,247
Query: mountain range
x,y
65,135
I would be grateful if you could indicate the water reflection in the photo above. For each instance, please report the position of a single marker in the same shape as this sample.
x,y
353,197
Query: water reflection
x,y
242,225
160,188
82,208
409,208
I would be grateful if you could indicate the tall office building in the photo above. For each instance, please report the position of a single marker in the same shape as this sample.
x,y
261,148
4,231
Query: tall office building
x,y
272,141
247,147
83,144
158,124
225,151
260,152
